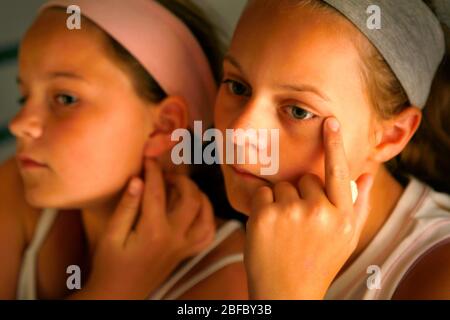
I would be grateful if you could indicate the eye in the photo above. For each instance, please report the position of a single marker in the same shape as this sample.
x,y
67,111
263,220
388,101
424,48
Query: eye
x,y
66,99
299,113
237,88
22,100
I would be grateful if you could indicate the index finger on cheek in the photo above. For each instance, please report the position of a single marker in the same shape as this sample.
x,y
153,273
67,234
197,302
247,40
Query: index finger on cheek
x,y
337,175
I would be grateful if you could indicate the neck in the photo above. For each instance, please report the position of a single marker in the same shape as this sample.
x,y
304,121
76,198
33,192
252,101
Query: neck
x,y
385,193
95,219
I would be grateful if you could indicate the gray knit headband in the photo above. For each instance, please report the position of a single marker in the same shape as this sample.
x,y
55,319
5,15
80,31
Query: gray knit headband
x,y
410,39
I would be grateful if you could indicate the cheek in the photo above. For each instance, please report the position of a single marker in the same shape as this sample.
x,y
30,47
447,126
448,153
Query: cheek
x,y
221,117
95,158
301,152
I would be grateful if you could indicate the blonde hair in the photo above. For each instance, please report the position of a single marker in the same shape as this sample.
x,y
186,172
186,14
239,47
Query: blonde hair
x,y
427,154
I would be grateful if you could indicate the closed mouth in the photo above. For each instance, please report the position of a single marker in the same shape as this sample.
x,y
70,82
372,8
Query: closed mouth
x,y
247,174
28,162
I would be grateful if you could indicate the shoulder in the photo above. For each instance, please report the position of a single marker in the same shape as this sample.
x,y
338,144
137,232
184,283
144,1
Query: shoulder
x,y
228,282
429,278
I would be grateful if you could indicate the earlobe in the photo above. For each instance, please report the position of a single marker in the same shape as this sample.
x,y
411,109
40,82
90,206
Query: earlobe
x,y
395,134
171,114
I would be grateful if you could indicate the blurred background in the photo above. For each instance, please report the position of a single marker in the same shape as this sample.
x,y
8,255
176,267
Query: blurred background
x,y
17,15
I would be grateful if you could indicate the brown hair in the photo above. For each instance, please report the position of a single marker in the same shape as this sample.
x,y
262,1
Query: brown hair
x,y
426,156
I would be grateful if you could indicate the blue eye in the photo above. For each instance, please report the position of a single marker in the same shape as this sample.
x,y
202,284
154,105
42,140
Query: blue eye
x,y
65,99
300,113
237,88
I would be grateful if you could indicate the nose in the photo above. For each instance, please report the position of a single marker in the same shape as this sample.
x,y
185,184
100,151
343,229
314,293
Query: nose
x,y
255,115
27,124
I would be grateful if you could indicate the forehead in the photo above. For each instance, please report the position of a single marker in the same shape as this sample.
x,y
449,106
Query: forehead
x,y
281,41
49,36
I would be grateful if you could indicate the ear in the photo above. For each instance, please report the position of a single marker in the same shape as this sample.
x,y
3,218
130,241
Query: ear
x,y
393,135
170,114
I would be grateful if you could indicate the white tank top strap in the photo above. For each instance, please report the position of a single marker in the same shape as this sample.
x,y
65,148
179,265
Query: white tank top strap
x,y
26,289
227,229
234,258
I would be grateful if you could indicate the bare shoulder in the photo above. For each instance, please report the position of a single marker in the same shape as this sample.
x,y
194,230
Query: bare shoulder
x,y
229,282
12,227
429,279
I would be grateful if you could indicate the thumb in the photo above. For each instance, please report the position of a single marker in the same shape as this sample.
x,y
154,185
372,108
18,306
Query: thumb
x,y
125,214
362,204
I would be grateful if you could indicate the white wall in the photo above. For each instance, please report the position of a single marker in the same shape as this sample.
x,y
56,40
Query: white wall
x,y
17,15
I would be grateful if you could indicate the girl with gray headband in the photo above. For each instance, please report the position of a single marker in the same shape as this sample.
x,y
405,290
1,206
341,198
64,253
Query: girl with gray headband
x,y
358,90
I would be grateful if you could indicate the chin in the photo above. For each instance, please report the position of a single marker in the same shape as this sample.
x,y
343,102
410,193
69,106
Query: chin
x,y
239,199
40,199
241,190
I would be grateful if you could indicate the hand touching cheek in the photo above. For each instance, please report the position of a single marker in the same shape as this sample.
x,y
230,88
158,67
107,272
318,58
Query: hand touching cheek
x,y
299,236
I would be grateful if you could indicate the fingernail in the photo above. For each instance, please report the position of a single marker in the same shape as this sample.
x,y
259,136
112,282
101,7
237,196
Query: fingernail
x,y
135,187
333,124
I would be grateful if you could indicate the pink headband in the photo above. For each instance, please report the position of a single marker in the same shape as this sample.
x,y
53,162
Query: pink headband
x,y
162,44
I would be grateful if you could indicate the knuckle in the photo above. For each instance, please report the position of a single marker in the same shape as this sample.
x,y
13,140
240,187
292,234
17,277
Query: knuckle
x,y
266,216
339,172
346,227
335,143
292,211
316,208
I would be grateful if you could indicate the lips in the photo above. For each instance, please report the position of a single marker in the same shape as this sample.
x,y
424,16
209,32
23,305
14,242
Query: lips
x,y
28,162
246,174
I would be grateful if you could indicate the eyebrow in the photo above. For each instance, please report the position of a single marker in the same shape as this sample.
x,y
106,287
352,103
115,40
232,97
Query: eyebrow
x,y
60,74
233,61
300,87
305,88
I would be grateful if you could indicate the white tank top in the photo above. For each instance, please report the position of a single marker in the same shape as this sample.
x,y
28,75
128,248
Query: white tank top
x,y
419,223
27,278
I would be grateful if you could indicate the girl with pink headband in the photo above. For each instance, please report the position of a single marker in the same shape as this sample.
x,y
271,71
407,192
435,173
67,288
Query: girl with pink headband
x,y
92,206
